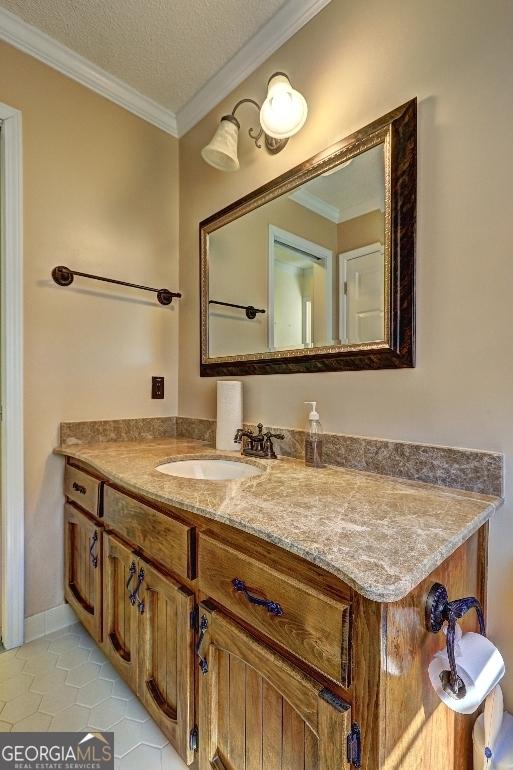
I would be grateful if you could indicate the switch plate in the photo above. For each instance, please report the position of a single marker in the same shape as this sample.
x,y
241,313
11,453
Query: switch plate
x,y
157,387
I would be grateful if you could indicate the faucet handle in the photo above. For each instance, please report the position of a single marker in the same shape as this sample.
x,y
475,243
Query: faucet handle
x,y
269,435
238,435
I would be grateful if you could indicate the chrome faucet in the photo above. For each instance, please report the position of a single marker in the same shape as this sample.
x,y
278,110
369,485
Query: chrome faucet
x,y
257,444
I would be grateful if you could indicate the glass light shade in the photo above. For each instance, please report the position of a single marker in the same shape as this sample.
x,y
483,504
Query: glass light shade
x,y
221,152
284,111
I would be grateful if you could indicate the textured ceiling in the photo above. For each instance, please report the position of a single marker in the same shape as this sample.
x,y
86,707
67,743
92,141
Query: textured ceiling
x,y
166,49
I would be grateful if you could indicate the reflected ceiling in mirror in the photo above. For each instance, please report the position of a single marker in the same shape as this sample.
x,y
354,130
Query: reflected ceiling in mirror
x,y
302,274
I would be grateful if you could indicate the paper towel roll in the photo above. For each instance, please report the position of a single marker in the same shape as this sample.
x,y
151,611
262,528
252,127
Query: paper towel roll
x,y
480,666
229,413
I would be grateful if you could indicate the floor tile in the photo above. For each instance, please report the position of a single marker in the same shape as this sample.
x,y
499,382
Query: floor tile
x,y
94,693
107,713
35,723
10,667
64,643
15,686
137,711
46,683
61,698
83,674
97,655
142,757
21,707
171,760
122,690
73,719
41,664
73,658
127,736
109,672
153,735
31,649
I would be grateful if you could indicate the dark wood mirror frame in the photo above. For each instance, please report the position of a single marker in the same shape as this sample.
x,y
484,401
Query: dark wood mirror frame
x,y
398,131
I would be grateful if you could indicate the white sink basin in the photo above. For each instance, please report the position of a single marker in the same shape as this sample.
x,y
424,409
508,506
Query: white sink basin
x,y
210,469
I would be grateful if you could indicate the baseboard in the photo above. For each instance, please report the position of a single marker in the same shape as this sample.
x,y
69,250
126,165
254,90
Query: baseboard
x,y
50,620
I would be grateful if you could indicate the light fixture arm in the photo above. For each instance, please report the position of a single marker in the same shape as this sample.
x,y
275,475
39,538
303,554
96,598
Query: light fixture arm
x,y
254,133
272,145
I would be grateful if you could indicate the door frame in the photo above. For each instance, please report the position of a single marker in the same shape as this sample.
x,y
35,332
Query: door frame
x,y
316,250
11,265
343,258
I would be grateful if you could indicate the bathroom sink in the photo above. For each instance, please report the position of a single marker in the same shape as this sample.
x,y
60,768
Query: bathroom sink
x,y
210,469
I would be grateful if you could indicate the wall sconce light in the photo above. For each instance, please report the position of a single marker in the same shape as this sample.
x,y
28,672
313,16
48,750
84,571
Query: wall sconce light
x,y
282,115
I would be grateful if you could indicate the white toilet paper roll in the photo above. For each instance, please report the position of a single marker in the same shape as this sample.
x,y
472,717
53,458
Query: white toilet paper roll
x,y
229,413
480,666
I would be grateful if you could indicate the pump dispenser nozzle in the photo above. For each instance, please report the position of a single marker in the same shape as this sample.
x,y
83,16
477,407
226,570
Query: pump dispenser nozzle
x,y
314,414
313,438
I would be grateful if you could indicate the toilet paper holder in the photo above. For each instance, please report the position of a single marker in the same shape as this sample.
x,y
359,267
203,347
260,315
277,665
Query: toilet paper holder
x,y
440,610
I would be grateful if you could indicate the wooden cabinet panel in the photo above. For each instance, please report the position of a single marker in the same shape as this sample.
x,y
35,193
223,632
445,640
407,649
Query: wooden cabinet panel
x,y
120,579
83,489
166,657
258,712
168,541
312,625
83,568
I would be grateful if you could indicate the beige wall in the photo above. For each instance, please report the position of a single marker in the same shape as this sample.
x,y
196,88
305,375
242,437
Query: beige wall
x,y
361,231
100,195
354,62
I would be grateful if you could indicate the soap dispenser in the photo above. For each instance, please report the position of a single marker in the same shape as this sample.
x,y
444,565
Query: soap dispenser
x,y
313,438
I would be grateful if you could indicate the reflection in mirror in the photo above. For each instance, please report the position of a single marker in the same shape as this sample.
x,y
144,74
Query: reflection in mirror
x,y
309,263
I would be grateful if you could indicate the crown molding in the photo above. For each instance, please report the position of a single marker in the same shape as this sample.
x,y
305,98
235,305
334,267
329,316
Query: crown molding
x,y
372,204
280,28
311,201
41,46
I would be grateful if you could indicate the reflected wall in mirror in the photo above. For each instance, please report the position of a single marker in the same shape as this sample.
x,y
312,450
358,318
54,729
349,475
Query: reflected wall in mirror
x,y
315,271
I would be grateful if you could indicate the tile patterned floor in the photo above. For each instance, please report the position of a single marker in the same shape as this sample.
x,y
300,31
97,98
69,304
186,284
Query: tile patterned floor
x,y
63,682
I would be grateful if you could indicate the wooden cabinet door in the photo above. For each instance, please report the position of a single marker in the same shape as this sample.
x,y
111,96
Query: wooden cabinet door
x,y
83,569
259,712
166,657
121,580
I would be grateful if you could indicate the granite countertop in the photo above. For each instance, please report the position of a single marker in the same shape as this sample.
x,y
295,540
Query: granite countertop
x,y
379,534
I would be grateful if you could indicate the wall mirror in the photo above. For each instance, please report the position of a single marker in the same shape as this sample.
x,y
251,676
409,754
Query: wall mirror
x,y
315,270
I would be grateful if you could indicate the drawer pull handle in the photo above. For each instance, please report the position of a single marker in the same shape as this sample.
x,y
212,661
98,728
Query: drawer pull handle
x,y
79,488
203,663
134,596
273,608
92,555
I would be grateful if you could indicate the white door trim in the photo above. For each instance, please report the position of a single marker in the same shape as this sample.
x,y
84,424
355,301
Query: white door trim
x,y
343,258
321,252
11,330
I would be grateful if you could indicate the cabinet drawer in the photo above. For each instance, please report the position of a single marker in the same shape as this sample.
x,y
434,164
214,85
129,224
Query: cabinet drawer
x,y
83,489
166,540
313,626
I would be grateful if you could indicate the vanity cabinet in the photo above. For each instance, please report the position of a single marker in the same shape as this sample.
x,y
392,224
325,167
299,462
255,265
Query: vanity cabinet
x,y
249,657
83,537
259,712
